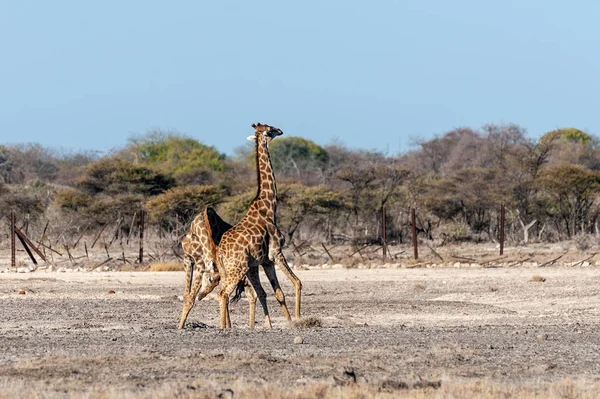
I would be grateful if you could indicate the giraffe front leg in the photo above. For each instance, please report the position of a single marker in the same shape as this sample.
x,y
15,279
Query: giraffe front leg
x,y
281,262
276,255
209,281
189,264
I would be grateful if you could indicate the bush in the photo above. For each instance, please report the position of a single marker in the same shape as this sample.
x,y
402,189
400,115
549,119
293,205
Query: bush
x,y
186,202
454,232
68,198
29,200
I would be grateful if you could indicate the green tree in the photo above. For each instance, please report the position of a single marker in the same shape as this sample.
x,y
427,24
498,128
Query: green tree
x,y
186,202
569,193
182,157
318,205
117,176
296,156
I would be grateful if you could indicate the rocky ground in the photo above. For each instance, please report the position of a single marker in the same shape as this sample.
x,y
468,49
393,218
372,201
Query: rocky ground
x,y
446,332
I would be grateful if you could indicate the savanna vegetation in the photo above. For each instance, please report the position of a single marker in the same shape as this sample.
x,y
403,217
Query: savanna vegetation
x,y
457,181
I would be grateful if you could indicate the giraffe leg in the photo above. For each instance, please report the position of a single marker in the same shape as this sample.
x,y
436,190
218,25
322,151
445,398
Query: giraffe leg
x,y
285,268
269,268
251,295
226,289
275,254
260,292
209,282
189,264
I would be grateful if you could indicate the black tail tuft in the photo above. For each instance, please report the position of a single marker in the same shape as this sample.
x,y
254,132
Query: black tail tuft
x,y
239,290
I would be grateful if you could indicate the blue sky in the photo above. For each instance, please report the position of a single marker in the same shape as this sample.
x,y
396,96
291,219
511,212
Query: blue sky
x,y
375,75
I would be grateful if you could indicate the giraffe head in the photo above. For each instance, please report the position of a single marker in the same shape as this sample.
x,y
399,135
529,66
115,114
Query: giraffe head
x,y
264,132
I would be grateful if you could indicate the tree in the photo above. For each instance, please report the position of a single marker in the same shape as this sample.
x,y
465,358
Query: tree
x,y
569,193
316,205
186,202
182,157
116,176
298,157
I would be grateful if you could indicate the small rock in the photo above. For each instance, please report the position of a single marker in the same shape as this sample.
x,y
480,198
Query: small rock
x,y
542,337
23,270
22,292
298,340
521,332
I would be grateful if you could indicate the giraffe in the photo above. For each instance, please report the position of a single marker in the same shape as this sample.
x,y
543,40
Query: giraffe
x,y
255,239
199,254
199,259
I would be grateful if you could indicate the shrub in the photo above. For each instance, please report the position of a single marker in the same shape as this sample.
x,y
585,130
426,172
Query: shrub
x,y
69,198
185,201
454,232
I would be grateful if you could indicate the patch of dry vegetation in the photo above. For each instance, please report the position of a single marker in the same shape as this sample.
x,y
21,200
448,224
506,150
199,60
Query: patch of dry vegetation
x,y
205,389
166,267
308,322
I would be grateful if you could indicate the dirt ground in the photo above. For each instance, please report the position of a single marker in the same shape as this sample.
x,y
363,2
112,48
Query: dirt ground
x,y
450,332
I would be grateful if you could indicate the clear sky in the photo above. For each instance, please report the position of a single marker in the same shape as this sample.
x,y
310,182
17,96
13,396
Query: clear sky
x,y
374,74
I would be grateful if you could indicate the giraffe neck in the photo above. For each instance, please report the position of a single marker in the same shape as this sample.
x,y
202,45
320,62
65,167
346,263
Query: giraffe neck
x,y
267,190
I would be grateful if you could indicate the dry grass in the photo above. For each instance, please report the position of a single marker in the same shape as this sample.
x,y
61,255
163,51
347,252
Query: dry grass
x,y
166,267
419,287
205,389
308,322
350,262
538,279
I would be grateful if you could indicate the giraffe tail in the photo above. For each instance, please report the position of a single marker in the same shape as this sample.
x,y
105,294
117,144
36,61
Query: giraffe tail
x,y
239,290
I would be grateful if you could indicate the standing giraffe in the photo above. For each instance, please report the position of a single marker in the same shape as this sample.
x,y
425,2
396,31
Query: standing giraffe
x,y
199,246
255,239
199,259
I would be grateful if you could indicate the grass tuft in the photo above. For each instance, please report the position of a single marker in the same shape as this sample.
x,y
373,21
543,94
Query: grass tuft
x,y
166,267
308,322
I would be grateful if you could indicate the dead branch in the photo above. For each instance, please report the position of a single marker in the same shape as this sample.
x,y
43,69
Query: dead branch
x,y
551,262
100,264
434,252
584,260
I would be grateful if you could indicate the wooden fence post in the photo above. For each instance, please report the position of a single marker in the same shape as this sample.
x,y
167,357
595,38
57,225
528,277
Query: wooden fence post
x,y
414,232
502,213
383,233
13,259
141,257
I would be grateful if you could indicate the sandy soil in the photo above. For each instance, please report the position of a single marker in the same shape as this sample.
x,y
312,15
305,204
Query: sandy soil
x,y
69,335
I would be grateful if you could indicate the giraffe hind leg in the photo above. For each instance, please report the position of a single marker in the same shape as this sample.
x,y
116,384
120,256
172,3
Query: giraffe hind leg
x,y
260,292
269,268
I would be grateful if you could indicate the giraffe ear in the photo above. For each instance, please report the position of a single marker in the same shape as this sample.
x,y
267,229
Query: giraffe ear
x,y
251,138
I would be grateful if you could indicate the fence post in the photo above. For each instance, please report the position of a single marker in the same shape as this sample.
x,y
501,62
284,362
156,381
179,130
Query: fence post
x,y
13,259
383,233
414,232
141,257
502,213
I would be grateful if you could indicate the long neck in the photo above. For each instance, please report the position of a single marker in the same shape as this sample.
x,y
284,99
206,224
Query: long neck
x,y
267,191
